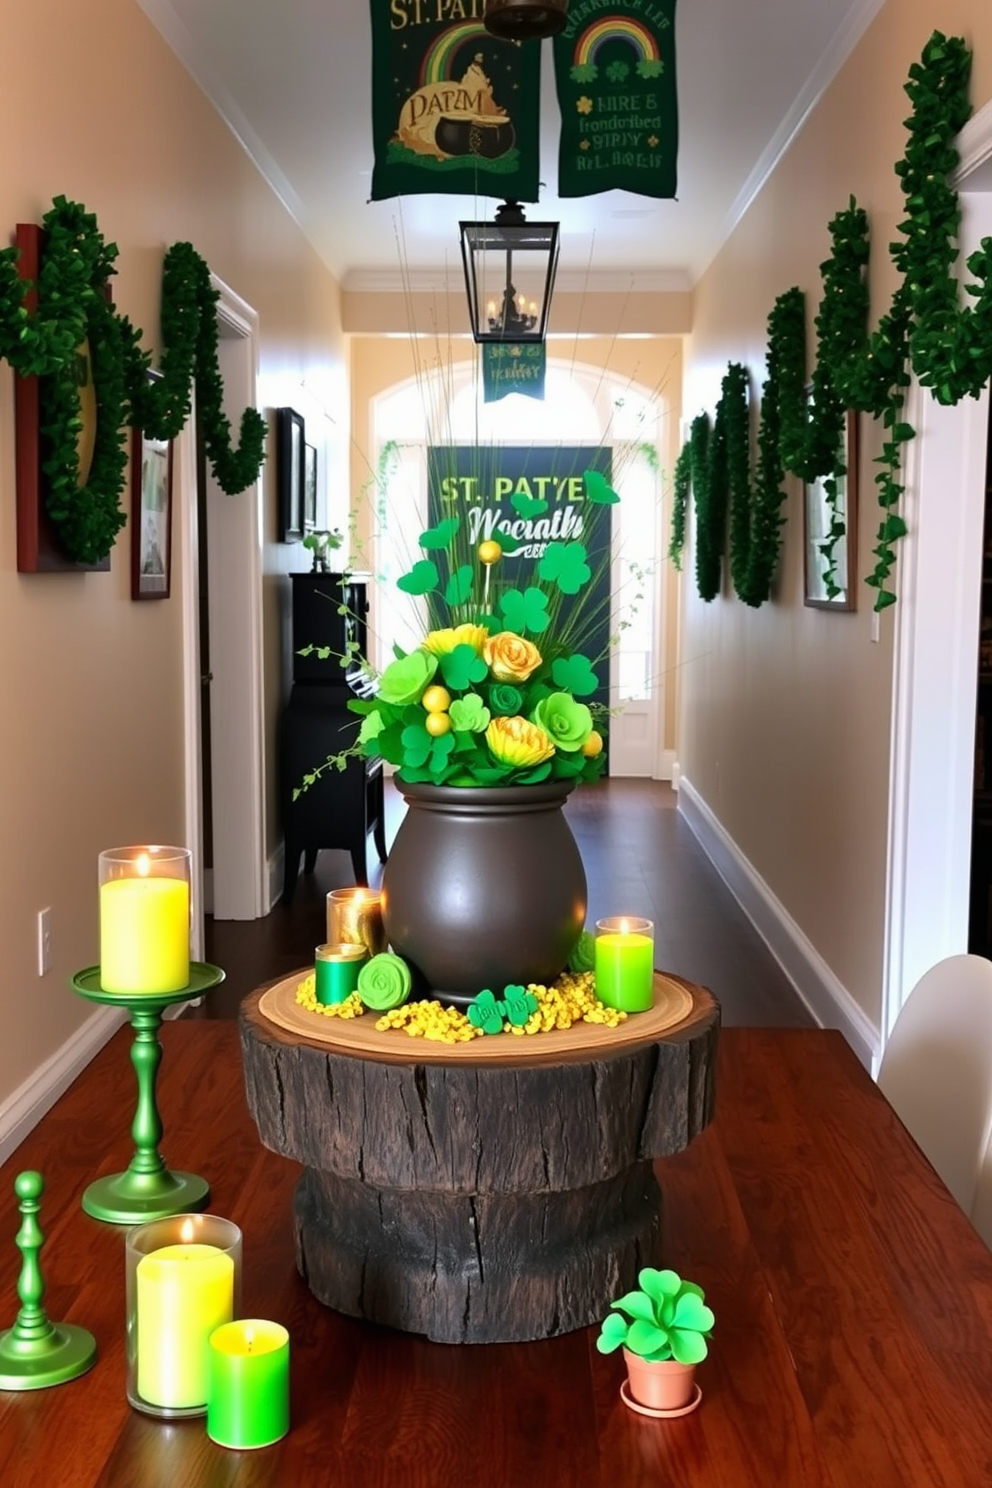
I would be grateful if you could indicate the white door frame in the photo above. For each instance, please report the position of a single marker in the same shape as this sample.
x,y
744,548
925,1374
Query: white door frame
x,y
240,878
936,653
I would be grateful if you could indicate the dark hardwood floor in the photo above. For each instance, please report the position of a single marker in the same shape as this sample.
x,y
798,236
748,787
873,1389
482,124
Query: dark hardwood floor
x,y
640,859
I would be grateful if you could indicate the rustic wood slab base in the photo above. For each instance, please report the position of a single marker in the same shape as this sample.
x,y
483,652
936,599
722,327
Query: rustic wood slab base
x,y
479,1202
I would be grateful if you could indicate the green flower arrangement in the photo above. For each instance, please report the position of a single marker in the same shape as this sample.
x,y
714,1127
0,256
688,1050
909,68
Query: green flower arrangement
x,y
669,1319
496,693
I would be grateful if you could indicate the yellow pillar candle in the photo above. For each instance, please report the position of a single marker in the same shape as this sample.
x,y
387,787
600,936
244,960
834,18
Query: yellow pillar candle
x,y
624,964
184,1292
144,919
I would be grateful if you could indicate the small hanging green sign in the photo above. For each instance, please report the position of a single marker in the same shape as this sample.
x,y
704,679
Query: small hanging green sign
x,y
615,76
509,367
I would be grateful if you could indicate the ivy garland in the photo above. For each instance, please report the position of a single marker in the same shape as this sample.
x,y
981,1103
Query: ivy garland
x,y
72,309
948,347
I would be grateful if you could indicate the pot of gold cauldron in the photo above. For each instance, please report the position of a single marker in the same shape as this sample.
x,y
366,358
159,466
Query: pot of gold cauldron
x,y
487,136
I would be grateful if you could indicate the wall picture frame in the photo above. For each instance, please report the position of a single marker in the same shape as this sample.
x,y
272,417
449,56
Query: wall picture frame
x,y
151,516
309,488
819,591
290,472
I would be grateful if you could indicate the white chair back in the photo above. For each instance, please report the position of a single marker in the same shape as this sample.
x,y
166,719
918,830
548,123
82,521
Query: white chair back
x,y
936,1071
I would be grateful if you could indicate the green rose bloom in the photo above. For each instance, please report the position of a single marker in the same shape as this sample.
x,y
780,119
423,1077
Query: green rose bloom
x,y
567,723
404,680
583,957
384,982
469,715
504,700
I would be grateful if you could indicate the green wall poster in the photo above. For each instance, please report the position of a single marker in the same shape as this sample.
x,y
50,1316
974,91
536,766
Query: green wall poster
x,y
615,76
525,498
513,367
454,110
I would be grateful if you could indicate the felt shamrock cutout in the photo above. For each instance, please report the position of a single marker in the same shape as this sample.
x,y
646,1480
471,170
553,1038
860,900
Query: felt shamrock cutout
x,y
486,1013
469,714
518,1004
416,745
459,586
441,535
528,506
565,564
598,489
440,750
527,611
574,674
461,667
421,579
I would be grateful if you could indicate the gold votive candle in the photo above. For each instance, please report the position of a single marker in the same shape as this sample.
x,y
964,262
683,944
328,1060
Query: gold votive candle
x,y
336,969
354,917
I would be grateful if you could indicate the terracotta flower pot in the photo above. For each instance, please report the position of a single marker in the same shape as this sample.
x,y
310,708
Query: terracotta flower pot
x,y
484,887
659,1384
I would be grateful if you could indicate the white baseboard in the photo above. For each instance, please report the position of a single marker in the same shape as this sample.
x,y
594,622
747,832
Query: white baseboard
x,y
29,1102
827,999
667,766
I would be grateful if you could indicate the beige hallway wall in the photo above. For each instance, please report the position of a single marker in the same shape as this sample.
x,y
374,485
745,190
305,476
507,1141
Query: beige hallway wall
x,y
93,105
786,710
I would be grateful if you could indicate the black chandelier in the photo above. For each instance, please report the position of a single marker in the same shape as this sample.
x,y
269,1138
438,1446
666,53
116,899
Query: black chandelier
x,y
524,20
510,269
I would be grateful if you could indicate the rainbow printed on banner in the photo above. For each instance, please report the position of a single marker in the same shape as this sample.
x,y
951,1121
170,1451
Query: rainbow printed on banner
x,y
615,77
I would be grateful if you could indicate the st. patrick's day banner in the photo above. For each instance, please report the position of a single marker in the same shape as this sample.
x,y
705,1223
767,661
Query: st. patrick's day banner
x,y
525,498
513,367
454,110
615,76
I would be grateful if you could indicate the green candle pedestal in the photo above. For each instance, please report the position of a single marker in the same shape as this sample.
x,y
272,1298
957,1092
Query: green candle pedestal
x,y
36,1353
147,1189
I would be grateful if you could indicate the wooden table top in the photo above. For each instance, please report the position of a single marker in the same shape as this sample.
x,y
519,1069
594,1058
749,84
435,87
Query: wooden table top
x,y
853,1341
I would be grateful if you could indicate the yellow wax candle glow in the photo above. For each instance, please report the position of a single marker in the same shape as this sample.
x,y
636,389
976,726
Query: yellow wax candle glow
x,y
144,919
354,917
185,1292
624,964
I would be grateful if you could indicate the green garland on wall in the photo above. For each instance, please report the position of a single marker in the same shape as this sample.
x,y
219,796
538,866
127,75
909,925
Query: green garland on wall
x,y
949,347
72,307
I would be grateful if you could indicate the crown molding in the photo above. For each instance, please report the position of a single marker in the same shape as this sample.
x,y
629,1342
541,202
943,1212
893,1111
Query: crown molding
x,y
974,144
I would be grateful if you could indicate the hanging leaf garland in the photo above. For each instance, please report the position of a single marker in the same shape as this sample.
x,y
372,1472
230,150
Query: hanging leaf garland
x,y
949,347
72,308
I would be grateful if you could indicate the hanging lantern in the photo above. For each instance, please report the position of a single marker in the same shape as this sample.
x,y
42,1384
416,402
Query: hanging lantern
x,y
509,275
524,20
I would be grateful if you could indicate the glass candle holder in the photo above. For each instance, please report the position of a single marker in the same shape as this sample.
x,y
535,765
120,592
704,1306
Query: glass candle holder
x,y
624,966
183,1280
144,919
354,917
336,969
248,1403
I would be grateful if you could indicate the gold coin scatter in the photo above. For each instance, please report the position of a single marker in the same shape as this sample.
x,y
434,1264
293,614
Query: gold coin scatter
x,y
306,996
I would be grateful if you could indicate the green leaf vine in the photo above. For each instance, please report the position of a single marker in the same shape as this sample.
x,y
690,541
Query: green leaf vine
x,y
73,318
926,329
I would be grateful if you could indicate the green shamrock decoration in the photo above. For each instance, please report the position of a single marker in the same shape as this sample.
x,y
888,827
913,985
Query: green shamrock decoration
x,y
574,674
486,1013
421,579
461,667
565,564
518,1004
421,751
459,586
441,535
469,714
598,489
527,611
528,506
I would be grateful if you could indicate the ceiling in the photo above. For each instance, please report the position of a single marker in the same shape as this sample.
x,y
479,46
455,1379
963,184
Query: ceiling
x,y
293,80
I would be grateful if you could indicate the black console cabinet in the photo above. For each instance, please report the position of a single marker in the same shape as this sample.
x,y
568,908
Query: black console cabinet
x,y
343,806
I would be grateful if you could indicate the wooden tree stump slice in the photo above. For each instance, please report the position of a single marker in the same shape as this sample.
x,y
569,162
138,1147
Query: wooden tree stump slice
x,y
475,1200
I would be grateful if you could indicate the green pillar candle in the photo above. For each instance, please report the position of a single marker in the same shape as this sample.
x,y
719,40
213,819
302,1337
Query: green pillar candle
x,y
248,1384
625,963
336,969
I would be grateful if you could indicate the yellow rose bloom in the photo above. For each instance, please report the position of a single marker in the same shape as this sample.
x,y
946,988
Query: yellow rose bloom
x,y
440,642
510,658
514,741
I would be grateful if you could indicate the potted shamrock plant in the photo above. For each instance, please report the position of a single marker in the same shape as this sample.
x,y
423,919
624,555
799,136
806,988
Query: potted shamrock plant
x,y
664,1336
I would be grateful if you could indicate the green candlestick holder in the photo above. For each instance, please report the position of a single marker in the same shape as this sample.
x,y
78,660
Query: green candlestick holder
x,y
35,1353
147,1189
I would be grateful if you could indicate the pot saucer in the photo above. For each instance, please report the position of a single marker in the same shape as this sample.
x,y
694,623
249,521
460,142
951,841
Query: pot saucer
x,y
660,1415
